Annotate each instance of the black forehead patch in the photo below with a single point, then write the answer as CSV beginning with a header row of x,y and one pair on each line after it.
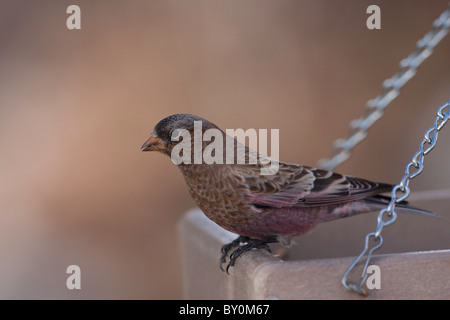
x,y
164,123
179,120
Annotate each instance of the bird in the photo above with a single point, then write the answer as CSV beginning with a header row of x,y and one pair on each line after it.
x,y
263,208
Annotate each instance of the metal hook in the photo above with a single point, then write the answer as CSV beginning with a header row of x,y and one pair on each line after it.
x,y
358,288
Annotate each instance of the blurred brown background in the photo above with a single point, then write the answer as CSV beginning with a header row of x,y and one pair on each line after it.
x,y
76,105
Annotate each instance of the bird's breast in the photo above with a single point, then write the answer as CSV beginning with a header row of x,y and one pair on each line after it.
x,y
222,198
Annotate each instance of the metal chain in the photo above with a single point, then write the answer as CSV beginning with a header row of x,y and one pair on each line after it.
x,y
391,89
399,193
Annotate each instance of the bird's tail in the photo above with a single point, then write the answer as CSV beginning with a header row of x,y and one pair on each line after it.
x,y
403,206
406,208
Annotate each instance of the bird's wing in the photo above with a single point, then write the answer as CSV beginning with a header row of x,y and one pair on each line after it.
x,y
334,188
301,186
285,188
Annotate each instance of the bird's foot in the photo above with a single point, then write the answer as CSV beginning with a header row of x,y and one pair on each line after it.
x,y
243,244
227,247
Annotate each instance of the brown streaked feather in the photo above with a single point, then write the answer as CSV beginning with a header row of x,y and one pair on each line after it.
x,y
288,176
324,188
291,183
333,188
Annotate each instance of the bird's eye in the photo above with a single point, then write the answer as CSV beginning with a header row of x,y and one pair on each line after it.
x,y
176,134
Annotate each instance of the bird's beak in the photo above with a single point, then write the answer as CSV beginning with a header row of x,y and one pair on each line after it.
x,y
153,144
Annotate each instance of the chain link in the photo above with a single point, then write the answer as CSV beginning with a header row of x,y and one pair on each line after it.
x,y
391,89
399,193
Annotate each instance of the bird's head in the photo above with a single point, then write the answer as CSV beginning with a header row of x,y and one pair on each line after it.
x,y
164,136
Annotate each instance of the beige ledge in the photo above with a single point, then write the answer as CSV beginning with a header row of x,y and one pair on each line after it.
x,y
261,275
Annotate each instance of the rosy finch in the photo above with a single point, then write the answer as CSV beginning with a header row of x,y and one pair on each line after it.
x,y
267,208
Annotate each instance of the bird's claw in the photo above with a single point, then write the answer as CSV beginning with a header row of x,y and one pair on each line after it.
x,y
227,247
243,244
